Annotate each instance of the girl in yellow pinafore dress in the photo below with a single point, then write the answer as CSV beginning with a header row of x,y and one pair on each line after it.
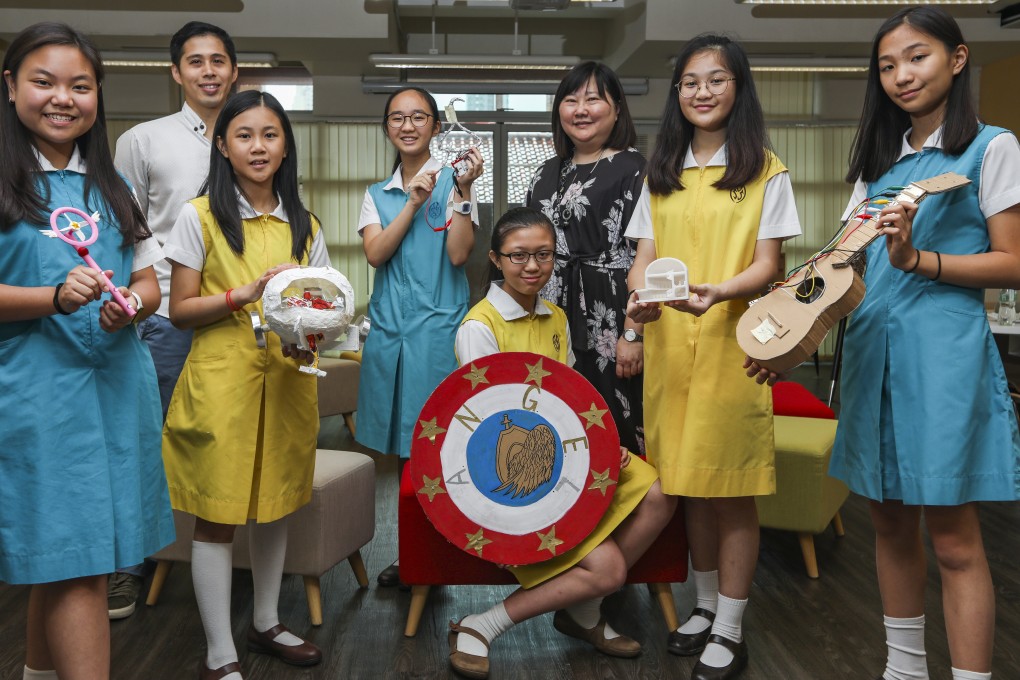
x,y
571,584
718,200
239,440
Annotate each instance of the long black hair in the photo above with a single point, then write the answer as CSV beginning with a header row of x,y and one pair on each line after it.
x,y
623,134
880,132
222,183
22,196
747,141
511,221
429,99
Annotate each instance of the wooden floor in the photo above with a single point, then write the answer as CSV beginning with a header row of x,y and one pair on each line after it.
x,y
797,628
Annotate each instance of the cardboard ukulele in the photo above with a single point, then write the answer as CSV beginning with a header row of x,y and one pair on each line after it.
x,y
784,328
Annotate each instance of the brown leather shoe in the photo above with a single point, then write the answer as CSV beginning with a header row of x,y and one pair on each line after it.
x,y
468,665
205,673
305,654
621,646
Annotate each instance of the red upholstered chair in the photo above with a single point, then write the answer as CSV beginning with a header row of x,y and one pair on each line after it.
x,y
428,559
793,399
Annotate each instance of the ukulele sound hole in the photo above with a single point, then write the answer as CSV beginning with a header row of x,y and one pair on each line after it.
x,y
810,290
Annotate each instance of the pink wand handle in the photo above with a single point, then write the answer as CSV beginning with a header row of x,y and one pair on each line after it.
x,y
79,247
112,289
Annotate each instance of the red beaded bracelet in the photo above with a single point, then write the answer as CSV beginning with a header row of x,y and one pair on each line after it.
x,y
230,302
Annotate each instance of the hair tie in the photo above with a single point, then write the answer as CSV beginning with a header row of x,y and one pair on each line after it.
x,y
916,262
938,272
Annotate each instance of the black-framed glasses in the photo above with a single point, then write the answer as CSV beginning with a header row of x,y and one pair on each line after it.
x,y
418,119
521,257
688,87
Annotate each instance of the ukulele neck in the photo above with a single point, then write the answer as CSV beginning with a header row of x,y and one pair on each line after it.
x,y
861,233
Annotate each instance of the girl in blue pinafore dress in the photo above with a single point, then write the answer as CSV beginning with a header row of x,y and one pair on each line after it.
x,y
418,230
926,424
82,489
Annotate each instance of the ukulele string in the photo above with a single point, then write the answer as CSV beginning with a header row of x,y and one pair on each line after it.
x,y
862,214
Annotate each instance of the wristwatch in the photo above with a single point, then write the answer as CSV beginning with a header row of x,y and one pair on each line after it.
x,y
464,208
138,301
631,335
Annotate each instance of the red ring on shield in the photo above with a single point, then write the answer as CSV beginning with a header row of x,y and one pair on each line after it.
x,y
515,458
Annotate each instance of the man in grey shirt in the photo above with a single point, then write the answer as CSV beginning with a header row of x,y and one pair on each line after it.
x,y
166,161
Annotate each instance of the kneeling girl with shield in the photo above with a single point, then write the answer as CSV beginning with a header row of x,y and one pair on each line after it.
x,y
512,318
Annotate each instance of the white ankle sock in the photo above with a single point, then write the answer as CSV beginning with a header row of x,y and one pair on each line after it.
x,y
587,614
728,623
965,675
490,624
268,550
706,584
906,658
32,674
210,572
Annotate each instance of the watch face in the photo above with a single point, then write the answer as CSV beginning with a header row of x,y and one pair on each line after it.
x,y
630,335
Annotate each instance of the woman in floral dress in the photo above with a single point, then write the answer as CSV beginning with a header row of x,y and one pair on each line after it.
x,y
589,190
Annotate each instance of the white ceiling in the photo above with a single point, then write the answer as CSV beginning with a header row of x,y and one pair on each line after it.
x,y
636,37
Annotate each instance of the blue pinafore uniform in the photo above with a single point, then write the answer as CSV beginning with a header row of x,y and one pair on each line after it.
x,y
417,304
925,414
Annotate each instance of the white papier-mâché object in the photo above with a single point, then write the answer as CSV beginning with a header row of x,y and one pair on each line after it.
x,y
283,306
665,281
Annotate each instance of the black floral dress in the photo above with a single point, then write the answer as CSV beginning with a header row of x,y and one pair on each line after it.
x,y
590,206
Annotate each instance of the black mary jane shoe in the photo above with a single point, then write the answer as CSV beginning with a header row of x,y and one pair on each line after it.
x,y
689,644
736,666
390,576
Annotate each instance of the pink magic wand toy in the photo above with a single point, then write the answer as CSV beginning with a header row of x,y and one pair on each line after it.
x,y
77,228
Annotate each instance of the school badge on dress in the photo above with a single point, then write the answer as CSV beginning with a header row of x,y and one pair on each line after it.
x,y
515,458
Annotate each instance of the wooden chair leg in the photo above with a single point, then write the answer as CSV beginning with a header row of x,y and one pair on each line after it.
x,y
313,594
158,579
358,565
418,596
837,524
349,421
807,548
663,593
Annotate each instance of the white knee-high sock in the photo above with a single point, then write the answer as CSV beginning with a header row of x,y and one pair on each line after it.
x,y
490,624
32,674
706,584
587,614
268,550
906,658
965,675
210,571
729,624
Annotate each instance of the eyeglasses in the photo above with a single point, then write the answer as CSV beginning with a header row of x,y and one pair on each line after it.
x,y
521,257
688,87
418,119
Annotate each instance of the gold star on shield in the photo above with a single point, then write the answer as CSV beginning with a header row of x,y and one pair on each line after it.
x,y
476,375
430,429
536,373
431,487
476,542
594,416
549,541
602,481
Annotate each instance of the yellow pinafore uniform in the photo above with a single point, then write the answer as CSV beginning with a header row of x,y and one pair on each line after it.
x,y
240,433
708,427
546,335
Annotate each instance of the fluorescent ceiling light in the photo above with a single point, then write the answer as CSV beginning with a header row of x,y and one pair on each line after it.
x,y
484,62
631,86
864,2
159,59
794,65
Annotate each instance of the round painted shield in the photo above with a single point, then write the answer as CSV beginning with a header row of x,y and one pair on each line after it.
x,y
515,458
